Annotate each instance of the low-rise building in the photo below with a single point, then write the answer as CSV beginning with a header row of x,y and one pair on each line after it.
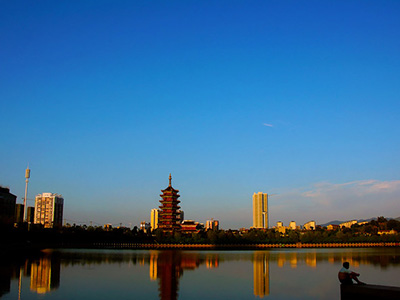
x,y
190,226
292,225
212,224
145,226
382,232
332,227
281,229
309,225
348,224
107,227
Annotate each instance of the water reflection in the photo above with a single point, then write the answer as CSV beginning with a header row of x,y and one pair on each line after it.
x,y
168,267
45,274
261,273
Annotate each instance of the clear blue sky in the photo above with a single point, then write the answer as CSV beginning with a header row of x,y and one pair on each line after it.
x,y
300,99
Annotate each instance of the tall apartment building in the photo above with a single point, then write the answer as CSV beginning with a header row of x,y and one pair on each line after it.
x,y
30,215
49,210
154,219
19,213
260,210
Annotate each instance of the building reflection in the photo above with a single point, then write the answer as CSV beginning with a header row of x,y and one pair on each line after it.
x,y
294,258
153,265
212,261
311,259
13,270
261,273
45,274
6,273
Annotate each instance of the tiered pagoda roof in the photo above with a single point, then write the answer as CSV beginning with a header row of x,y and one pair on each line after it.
x,y
168,218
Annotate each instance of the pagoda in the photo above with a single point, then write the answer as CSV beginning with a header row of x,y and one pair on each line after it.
x,y
169,217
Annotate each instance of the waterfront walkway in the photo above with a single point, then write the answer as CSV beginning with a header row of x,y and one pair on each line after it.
x,y
240,246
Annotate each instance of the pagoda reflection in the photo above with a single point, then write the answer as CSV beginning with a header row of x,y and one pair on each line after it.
x,y
167,267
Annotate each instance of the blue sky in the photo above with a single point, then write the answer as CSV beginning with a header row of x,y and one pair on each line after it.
x,y
299,99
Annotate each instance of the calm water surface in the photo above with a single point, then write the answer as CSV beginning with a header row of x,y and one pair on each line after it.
x,y
133,274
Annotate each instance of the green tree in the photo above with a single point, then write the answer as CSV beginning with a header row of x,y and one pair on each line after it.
x,y
212,236
393,224
178,238
293,236
381,220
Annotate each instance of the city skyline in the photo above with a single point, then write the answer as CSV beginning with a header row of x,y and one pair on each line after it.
x,y
297,99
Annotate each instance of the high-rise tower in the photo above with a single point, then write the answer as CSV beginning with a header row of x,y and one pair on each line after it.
x,y
168,217
260,210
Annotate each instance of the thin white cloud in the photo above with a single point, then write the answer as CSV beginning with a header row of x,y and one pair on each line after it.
x,y
268,125
359,188
326,201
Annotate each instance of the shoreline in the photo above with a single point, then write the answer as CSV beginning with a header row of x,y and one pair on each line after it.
x,y
238,246
37,248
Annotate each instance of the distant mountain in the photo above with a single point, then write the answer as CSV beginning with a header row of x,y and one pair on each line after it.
x,y
337,222
368,220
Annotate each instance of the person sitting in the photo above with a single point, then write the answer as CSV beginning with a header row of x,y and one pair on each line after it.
x,y
346,276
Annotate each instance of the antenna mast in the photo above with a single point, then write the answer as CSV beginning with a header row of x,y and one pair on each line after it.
x,y
27,176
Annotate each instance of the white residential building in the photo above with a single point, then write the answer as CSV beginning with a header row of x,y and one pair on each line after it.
x,y
49,210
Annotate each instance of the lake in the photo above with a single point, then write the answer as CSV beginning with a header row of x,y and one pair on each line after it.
x,y
173,274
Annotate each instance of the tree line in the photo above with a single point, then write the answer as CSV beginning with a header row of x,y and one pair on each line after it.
x,y
86,235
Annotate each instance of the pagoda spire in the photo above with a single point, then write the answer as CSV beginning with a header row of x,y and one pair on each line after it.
x,y
170,179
